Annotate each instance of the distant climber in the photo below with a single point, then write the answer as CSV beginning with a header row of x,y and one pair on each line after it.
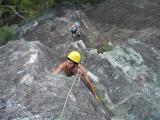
x,y
75,29
72,66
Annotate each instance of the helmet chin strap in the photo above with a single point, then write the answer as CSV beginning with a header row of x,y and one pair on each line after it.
x,y
74,64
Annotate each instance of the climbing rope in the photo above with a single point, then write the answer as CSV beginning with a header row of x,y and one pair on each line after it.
x,y
77,76
68,96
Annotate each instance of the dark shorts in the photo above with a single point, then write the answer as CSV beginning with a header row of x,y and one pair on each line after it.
x,y
73,31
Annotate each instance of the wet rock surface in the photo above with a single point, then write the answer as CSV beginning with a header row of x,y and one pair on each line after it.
x,y
128,75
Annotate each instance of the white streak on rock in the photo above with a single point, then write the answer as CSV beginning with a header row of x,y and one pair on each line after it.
x,y
93,77
27,79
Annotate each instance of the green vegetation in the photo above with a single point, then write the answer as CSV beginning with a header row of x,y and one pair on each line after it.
x,y
6,34
20,11
28,8
25,7
104,48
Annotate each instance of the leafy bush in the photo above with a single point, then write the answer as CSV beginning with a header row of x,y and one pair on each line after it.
x,y
26,8
6,34
104,48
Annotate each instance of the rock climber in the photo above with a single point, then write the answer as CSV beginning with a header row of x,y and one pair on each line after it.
x,y
75,29
72,66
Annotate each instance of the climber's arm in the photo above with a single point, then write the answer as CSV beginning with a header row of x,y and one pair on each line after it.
x,y
60,68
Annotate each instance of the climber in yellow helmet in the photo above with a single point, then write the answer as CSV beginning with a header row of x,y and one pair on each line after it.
x,y
72,66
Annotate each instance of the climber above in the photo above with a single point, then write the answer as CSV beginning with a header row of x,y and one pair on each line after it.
x,y
75,29
72,66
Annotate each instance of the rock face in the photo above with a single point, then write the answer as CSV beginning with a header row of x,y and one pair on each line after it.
x,y
30,91
123,19
127,76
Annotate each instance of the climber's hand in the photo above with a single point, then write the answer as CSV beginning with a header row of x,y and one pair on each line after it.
x,y
97,99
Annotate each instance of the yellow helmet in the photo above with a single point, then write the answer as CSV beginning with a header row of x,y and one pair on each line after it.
x,y
75,56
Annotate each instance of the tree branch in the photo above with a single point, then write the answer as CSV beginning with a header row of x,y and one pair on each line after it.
x,y
11,7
